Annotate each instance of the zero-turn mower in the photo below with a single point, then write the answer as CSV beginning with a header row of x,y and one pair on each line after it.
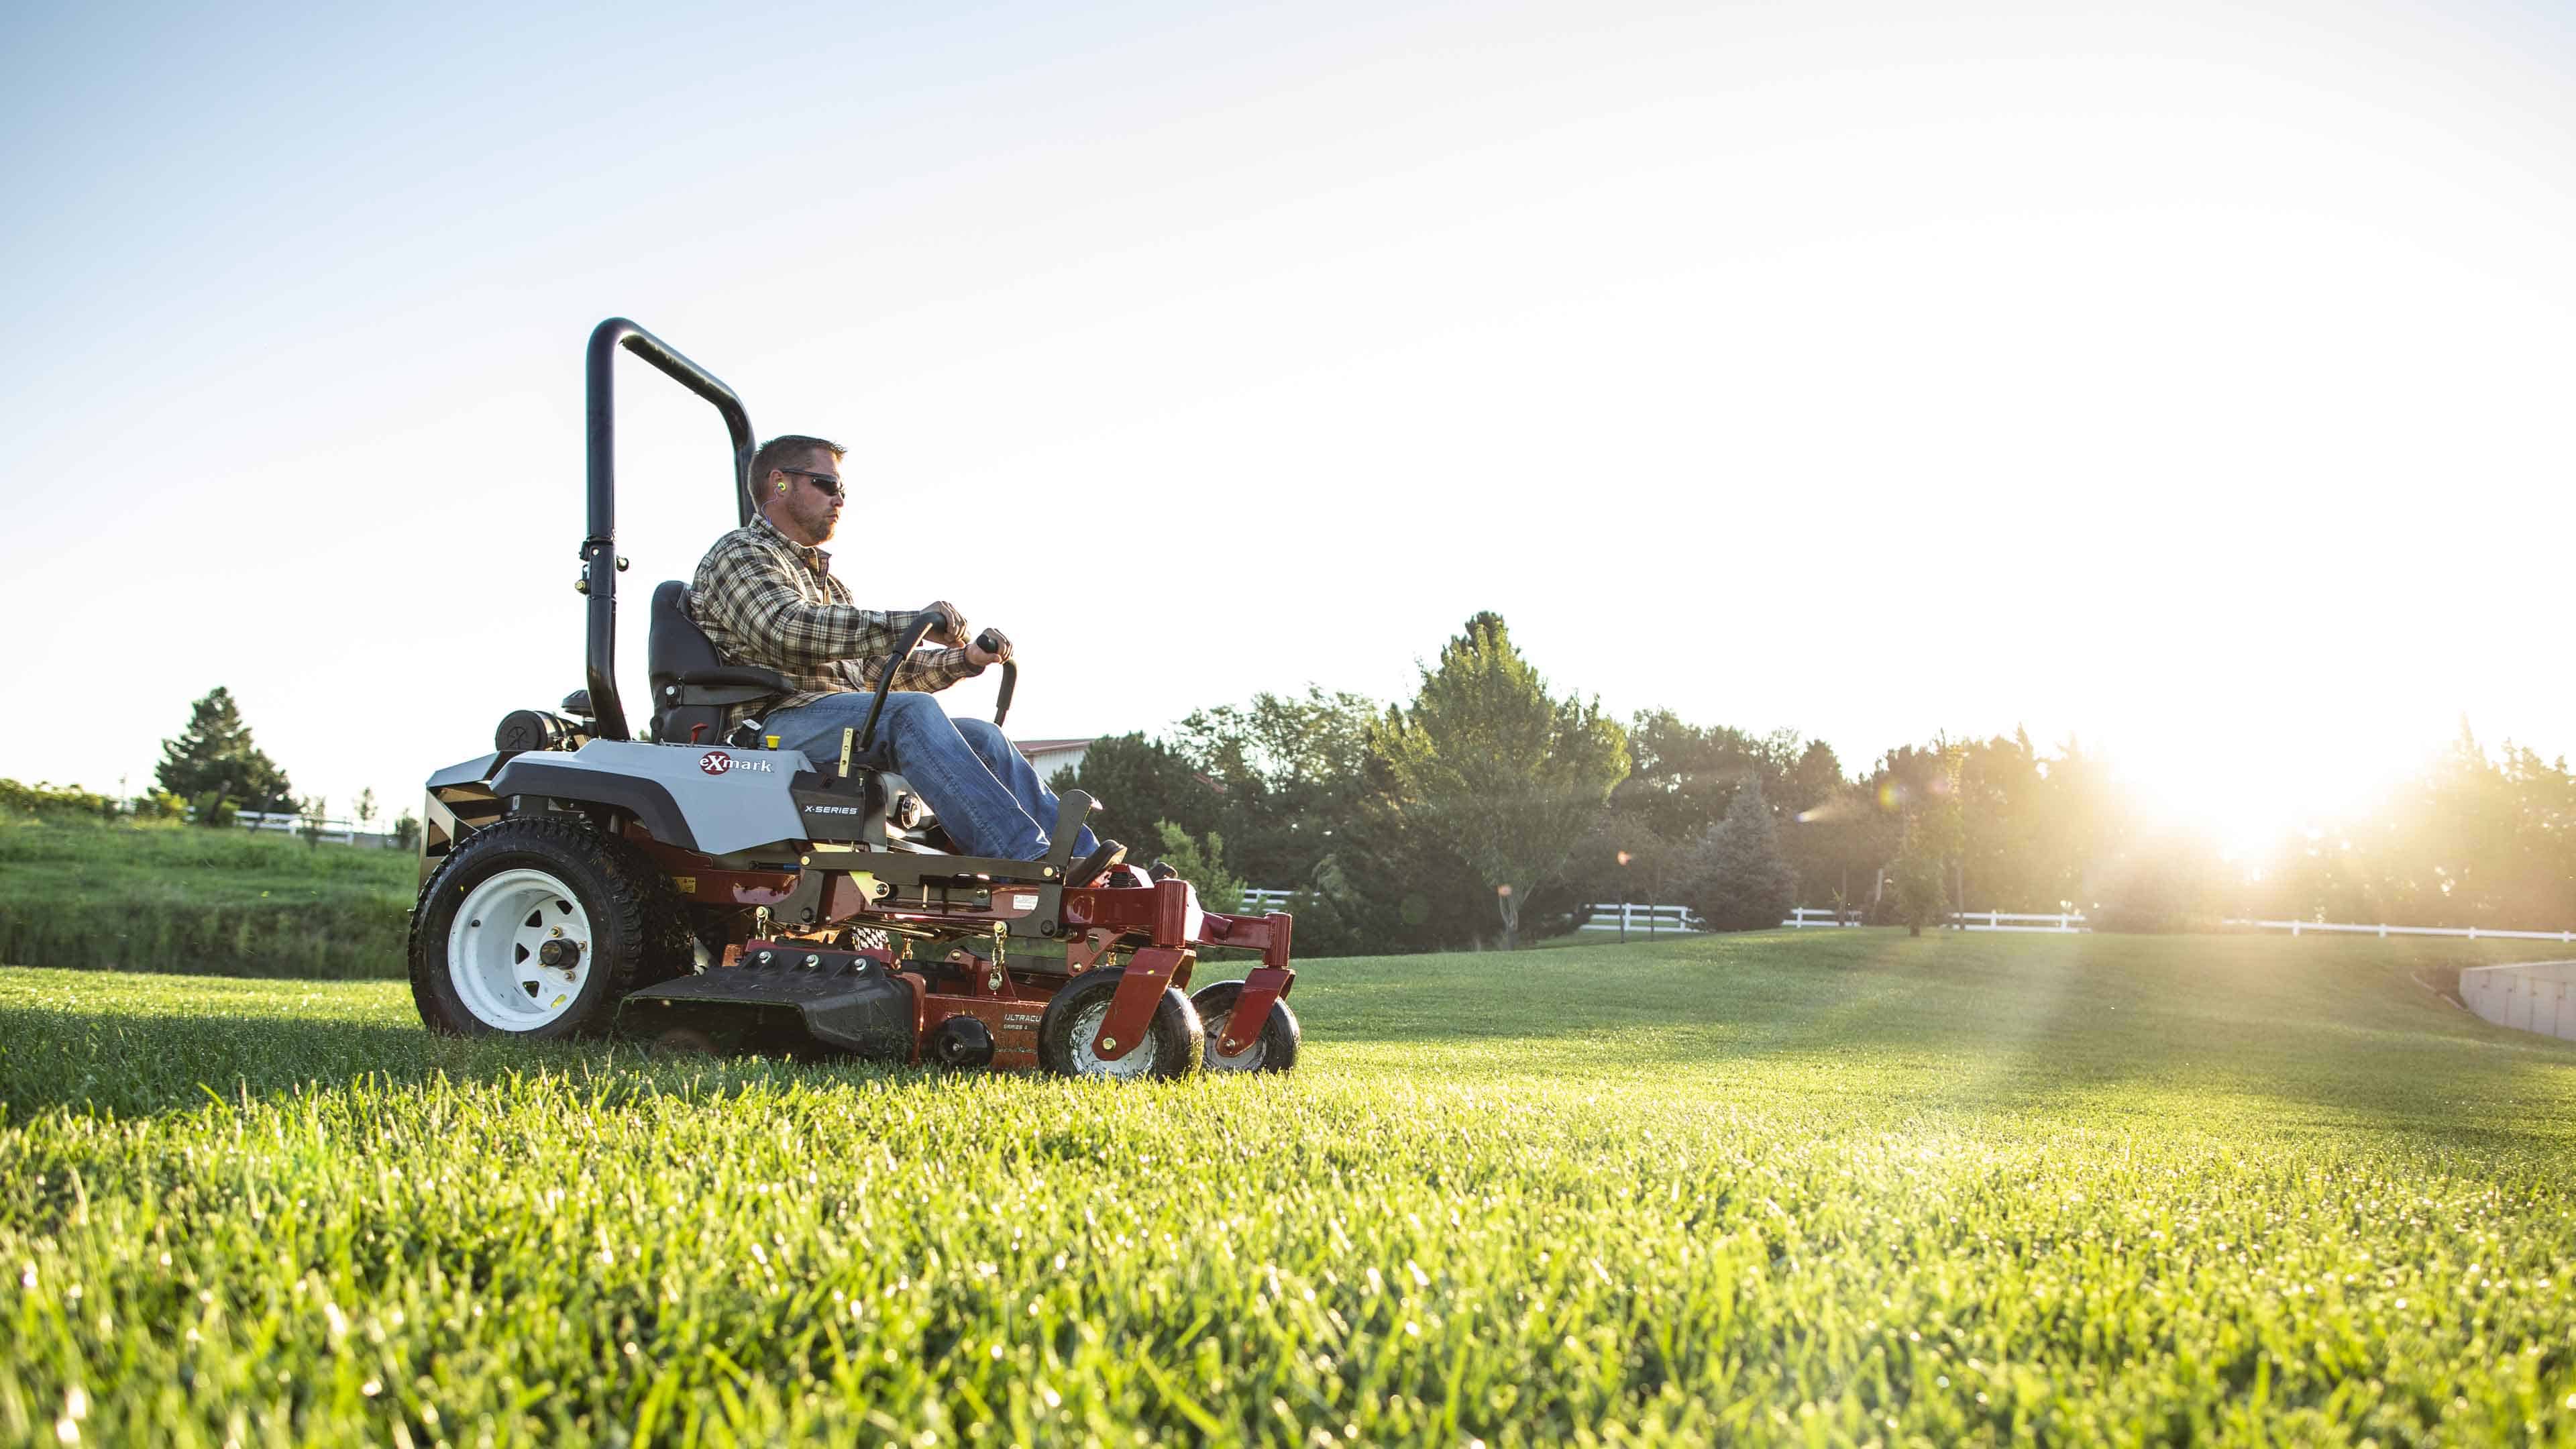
x,y
719,893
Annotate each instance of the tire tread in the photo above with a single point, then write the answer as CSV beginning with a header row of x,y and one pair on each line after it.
x,y
637,905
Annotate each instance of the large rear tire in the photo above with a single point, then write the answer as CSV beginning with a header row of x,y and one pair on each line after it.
x,y
1275,1050
1173,1039
538,927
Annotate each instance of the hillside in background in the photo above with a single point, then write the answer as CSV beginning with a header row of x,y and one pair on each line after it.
x,y
197,901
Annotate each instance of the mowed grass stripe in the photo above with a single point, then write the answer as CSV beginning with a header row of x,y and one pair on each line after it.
x,y
1836,1187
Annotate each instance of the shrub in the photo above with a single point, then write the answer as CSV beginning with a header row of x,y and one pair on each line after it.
x,y
157,807
46,801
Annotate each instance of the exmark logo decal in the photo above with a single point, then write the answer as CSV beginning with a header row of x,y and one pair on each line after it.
x,y
716,762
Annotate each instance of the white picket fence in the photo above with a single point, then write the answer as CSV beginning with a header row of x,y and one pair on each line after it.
x,y
2053,922
338,832
1638,917
1610,917
2473,933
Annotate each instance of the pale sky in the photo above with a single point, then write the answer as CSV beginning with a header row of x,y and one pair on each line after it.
x,y
2195,378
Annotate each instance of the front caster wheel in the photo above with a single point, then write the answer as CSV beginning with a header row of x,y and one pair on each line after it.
x,y
1072,1023
1275,1050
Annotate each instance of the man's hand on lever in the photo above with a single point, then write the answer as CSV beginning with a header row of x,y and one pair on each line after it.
x,y
990,647
951,628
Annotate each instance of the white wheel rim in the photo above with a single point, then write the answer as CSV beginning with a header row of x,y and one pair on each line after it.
x,y
493,950
1086,1030
1246,1060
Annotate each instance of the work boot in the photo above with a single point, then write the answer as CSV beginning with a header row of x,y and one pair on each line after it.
x,y
1108,853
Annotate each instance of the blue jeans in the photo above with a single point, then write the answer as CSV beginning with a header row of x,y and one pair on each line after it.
x,y
987,796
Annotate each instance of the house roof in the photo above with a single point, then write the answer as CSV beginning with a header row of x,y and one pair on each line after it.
x,y
1047,747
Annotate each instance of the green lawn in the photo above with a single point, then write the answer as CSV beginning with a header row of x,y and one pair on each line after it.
x,y
1814,1188
184,899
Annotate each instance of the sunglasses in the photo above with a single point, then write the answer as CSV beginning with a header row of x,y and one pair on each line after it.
x,y
828,482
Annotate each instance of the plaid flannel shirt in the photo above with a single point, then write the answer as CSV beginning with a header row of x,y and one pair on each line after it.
x,y
767,600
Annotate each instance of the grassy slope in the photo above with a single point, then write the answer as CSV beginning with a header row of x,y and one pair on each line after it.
x,y
188,900
1832,1187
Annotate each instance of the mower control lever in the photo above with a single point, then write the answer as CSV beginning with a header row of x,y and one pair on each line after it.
x,y
992,642
911,639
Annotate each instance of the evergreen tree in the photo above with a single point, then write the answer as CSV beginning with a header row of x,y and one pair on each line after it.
x,y
1488,766
213,760
1738,878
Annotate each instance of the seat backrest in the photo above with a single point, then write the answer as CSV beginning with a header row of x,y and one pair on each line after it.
x,y
677,646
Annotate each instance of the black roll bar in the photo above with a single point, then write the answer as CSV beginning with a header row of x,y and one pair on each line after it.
x,y
599,563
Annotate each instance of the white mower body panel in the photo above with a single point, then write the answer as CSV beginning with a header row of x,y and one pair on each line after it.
x,y
713,799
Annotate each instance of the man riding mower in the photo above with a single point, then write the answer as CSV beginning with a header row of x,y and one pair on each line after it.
x,y
761,873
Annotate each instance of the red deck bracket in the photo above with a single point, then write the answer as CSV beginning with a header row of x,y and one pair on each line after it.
x,y
1140,991
1265,985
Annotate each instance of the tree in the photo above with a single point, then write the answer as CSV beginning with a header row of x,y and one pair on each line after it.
x,y
1934,832
1487,764
312,813
214,763
1685,775
1139,784
366,806
1737,878
1203,866
1922,897
407,830
1289,771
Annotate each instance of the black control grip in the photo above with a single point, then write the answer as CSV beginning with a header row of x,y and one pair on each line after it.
x,y
902,650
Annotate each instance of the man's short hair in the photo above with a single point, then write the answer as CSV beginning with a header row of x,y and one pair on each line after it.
x,y
787,450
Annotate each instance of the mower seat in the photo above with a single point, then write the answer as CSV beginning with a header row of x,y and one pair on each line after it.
x,y
692,685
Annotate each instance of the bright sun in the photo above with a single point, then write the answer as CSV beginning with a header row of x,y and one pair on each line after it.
x,y
2248,782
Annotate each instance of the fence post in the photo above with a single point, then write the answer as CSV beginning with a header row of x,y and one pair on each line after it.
x,y
2294,928
2383,930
